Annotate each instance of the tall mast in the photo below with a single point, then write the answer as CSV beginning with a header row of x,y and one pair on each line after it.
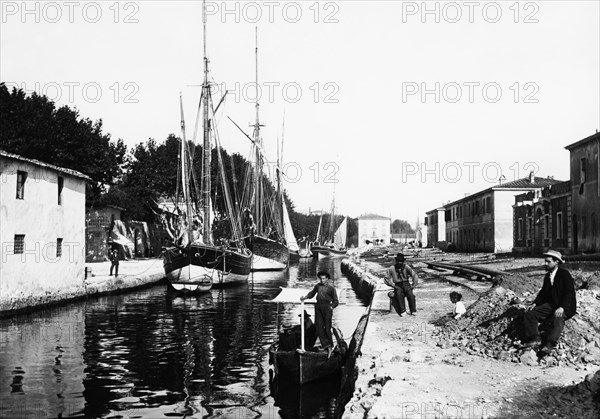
x,y
206,140
258,209
332,219
185,174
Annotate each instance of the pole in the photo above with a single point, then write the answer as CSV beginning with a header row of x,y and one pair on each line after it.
x,y
302,325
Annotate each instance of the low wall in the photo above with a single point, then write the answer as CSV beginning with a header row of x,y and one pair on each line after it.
x,y
132,275
370,288
366,284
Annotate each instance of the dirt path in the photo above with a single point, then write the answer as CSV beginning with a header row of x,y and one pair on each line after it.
x,y
405,373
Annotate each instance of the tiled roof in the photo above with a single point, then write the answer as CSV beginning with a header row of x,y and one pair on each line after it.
x,y
538,182
42,164
523,184
373,217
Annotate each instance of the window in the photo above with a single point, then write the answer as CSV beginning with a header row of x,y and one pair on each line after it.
x,y
529,227
59,247
61,184
559,225
488,205
19,245
582,163
21,178
583,227
546,227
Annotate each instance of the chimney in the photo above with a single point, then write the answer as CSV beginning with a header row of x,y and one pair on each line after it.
x,y
501,179
531,177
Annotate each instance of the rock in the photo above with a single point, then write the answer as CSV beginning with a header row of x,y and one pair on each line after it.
x,y
503,356
592,382
529,358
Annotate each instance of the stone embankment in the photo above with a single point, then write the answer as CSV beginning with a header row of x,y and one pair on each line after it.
x,y
133,274
432,365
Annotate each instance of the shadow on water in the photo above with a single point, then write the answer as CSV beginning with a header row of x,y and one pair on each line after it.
x,y
313,400
152,353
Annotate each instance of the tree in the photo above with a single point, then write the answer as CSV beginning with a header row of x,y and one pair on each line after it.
x,y
33,127
401,226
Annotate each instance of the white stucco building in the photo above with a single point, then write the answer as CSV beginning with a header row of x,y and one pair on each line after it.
x,y
373,228
42,232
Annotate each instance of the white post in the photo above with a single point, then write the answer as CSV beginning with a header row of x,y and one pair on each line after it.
x,y
302,325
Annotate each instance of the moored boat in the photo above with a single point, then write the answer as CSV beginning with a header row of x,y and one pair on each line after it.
x,y
264,224
193,262
296,362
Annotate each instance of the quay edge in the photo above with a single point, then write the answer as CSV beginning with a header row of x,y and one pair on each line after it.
x,y
133,274
371,288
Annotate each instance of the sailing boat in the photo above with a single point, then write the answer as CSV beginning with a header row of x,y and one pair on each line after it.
x,y
193,263
335,244
265,225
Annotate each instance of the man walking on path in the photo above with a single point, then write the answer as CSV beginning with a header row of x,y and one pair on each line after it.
x,y
113,255
399,277
327,300
556,300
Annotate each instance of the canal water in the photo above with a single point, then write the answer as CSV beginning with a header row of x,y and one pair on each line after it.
x,y
152,353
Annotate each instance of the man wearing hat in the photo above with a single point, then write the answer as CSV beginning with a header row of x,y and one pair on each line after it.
x,y
399,277
556,301
327,300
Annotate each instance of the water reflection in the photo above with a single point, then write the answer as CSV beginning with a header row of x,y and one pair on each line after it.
x,y
152,353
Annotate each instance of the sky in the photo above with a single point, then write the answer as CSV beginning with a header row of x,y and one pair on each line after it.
x,y
396,107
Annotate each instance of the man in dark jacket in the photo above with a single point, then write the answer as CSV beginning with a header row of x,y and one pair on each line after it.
x,y
403,279
555,300
327,300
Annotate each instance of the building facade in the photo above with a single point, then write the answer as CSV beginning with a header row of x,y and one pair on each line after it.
x,y
42,213
435,223
585,194
541,220
374,229
98,225
482,221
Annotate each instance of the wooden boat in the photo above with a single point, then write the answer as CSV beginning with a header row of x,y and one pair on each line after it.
x,y
337,247
326,251
197,267
192,262
335,239
265,234
299,364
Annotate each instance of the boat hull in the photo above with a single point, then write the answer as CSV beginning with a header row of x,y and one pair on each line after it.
x,y
198,267
324,251
267,254
304,367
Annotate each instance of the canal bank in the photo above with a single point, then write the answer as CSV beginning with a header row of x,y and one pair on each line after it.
x,y
133,274
405,371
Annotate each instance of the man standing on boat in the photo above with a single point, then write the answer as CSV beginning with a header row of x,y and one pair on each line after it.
x,y
327,300
248,222
399,277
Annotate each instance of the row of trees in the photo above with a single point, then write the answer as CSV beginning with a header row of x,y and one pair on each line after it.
x,y
33,127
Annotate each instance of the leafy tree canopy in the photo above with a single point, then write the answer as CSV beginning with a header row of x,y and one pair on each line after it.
x,y
33,127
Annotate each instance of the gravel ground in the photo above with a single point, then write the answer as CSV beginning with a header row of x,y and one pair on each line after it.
x,y
432,366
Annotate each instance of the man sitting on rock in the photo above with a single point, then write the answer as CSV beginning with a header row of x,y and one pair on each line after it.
x,y
399,277
556,301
